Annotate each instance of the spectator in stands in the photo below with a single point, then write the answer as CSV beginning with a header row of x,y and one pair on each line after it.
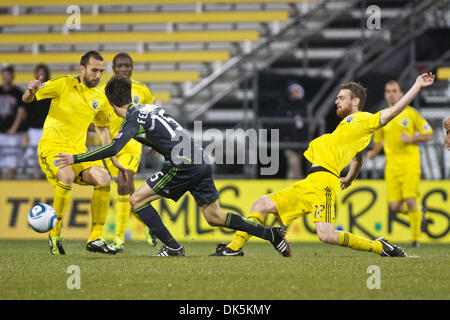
x,y
12,113
293,105
447,133
36,113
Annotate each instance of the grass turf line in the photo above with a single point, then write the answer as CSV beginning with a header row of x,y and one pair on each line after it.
x,y
315,271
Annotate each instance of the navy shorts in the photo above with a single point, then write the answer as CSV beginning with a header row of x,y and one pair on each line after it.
x,y
173,181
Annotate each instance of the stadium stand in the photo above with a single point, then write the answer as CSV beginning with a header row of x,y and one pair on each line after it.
x,y
225,61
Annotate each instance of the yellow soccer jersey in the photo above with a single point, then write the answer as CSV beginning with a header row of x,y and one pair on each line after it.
x,y
400,155
73,108
140,95
335,150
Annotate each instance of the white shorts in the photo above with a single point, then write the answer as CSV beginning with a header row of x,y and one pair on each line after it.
x,y
11,151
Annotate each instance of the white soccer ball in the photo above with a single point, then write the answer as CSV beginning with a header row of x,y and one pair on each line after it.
x,y
42,218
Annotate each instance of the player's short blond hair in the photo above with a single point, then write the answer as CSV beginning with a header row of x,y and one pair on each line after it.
x,y
357,91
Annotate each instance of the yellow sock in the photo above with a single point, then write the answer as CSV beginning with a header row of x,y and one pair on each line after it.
x,y
61,200
99,209
241,238
347,239
415,221
123,209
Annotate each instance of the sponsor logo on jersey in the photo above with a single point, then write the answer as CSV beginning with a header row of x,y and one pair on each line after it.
x,y
95,104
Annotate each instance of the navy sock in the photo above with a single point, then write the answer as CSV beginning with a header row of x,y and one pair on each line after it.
x,y
153,221
236,222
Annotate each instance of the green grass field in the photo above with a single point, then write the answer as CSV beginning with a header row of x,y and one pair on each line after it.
x,y
316,271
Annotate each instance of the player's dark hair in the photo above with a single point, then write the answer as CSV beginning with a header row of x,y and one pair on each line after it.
x,y
85,58
118,91
357,91
121,55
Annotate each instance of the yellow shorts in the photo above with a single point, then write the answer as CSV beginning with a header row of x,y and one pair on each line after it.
x,y
130,161
315,194
402,185
46,162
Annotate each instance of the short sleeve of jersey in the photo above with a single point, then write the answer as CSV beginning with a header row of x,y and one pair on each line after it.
x,y
421,125
148,97
372,121
50,89
103,117
379,135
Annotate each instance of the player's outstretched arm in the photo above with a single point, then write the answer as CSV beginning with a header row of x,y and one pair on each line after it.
x,y
424,80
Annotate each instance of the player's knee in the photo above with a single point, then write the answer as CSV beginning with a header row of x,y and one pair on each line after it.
x,y
264,205
396,207
100,176
133,201
66,176
325,236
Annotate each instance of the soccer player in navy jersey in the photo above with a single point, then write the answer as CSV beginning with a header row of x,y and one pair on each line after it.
x,y
153,127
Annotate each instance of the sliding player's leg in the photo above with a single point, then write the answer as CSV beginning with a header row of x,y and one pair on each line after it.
x,y
218,218
260,208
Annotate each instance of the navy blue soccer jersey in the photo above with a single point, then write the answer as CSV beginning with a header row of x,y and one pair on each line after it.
x,y
185,169
153,127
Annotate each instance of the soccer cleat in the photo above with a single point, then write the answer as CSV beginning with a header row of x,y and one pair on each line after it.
x,y
167,251
118,245
101,246
151,239
279,241
390,250
223,250
56,247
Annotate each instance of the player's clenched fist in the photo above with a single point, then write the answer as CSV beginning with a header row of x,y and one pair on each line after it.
x,y
34,85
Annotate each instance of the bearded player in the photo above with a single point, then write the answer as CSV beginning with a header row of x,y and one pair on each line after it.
x,y
329,155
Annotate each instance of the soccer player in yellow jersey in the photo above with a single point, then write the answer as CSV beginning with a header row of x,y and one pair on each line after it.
x,y
76,102
329,155
402,171
130,155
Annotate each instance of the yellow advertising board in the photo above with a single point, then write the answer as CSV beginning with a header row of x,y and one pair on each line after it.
x,y
362,209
